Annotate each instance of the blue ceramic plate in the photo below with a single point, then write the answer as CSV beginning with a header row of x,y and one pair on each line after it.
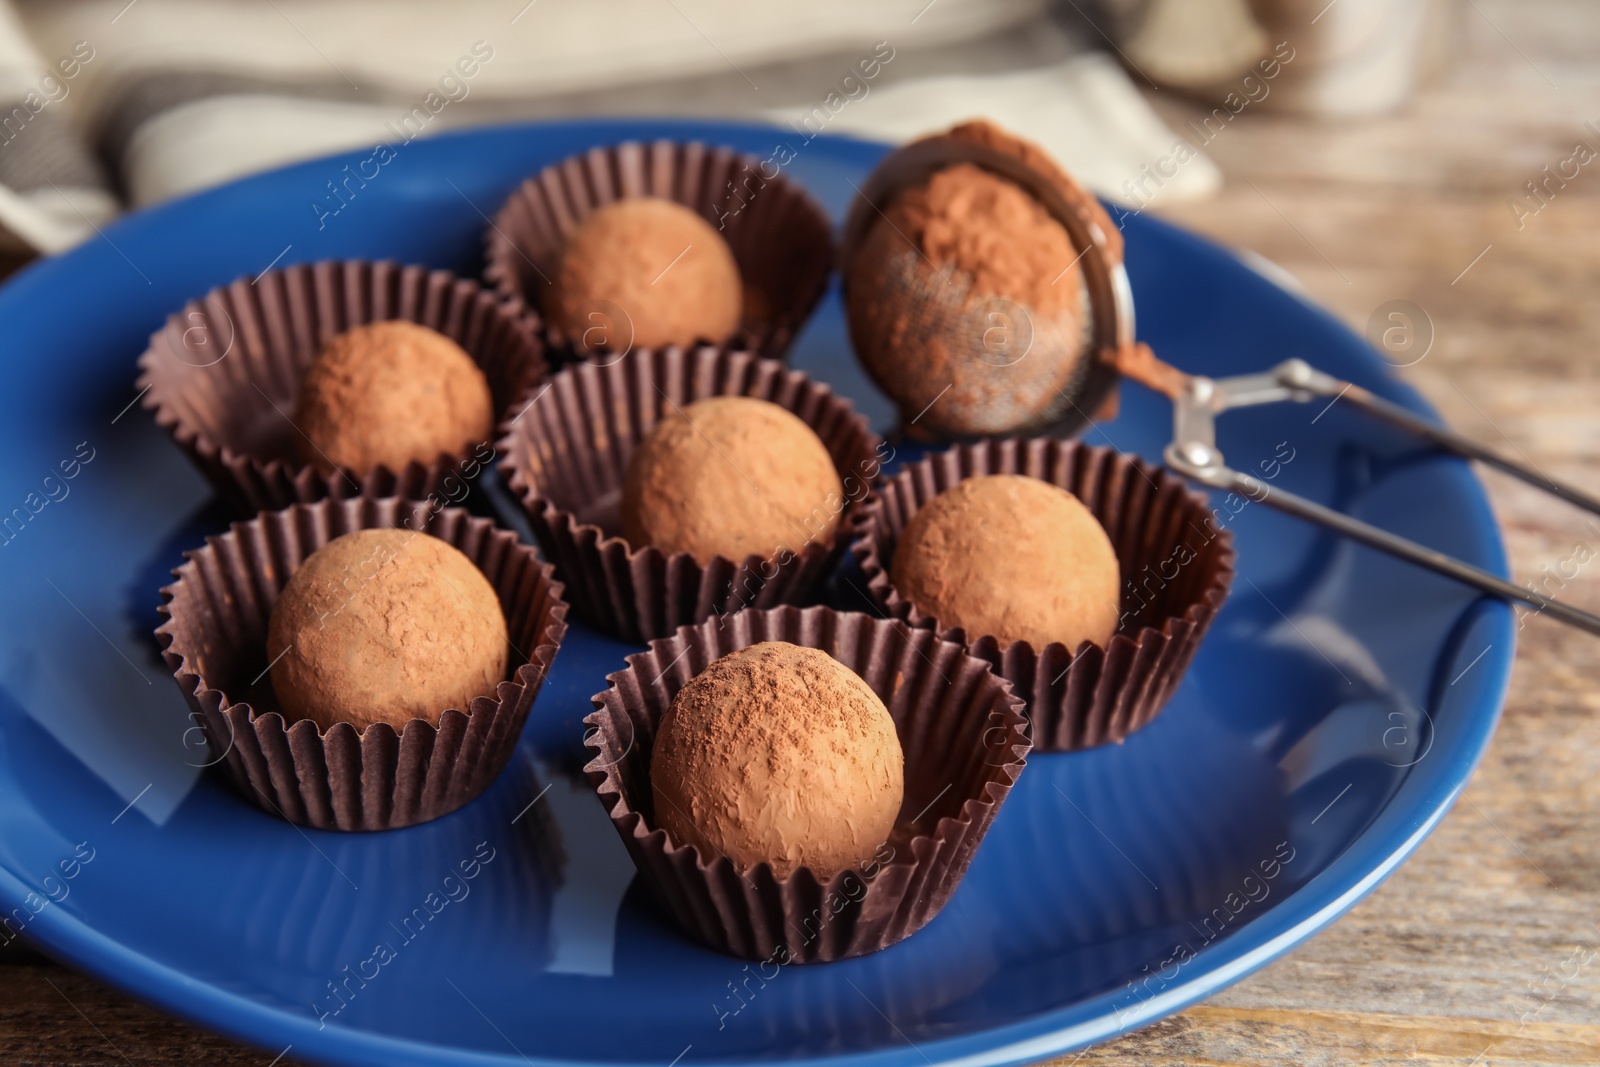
x,y
1331,718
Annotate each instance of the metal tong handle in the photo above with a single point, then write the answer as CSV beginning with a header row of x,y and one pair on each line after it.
x,y
1193,453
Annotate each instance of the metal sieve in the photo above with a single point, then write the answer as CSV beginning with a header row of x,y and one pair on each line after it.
x,y
1197,400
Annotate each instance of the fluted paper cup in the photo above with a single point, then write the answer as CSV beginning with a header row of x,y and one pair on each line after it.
x,y
567,454
779,236
964,740
223,373
215,642
1176,562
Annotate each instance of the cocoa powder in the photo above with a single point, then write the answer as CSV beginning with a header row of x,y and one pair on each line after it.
x,y
390,393
385,625
1012,557
967,219
778,754
967,305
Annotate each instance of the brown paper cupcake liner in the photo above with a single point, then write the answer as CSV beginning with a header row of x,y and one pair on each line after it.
x,y
215,641
566,456
222,374
1176,564
965,743
780,237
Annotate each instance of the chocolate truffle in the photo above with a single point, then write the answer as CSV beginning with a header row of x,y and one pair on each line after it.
x,y
663,268
778,754
385,626
967,304
1012,557
388,393
731,476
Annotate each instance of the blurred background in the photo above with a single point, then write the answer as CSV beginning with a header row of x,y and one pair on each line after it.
x,y
126,103
1426,159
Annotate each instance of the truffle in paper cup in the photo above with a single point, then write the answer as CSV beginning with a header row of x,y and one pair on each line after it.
x,y
965,742
779,236
223,373
215,642
566,454
1176,565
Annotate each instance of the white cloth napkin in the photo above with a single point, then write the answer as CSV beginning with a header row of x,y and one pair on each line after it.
x,y
113,103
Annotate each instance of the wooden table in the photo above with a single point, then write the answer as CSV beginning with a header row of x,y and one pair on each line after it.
x,y
1485,947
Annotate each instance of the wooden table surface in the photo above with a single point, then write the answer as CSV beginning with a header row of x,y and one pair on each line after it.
x,y
1485,947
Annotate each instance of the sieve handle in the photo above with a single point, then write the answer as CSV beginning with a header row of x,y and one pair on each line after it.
x,y
1298,374
1193,453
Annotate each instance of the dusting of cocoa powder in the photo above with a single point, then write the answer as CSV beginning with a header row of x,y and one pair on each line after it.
x,y
645,272
778,754
988,228
1012,557
966,303
389,393
387,626
731,476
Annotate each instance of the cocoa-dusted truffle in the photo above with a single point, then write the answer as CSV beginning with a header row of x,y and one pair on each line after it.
x,y
731,476
778,754
667,272
967,304
388,393
1013,557
385,626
